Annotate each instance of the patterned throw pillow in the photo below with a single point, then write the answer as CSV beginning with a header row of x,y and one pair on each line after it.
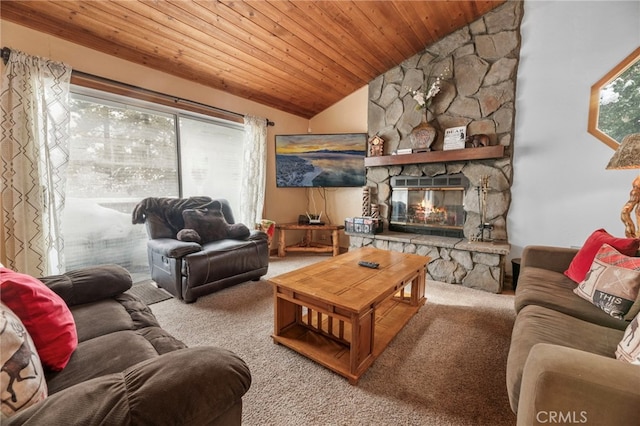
x,y
22,381
612,283
629,347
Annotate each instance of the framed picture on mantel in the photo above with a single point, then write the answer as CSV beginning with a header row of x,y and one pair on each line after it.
x,y
454,138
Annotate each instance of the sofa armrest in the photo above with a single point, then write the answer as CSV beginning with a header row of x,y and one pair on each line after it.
x,y
555,259
258,235
170,247
592,389
86,285
192,386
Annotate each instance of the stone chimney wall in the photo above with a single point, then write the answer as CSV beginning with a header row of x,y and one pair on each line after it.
x,y
479,65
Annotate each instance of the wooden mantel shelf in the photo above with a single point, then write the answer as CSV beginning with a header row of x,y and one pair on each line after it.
x,y
480,153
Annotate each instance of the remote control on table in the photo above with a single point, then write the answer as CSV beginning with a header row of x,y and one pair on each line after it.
x,y
372,265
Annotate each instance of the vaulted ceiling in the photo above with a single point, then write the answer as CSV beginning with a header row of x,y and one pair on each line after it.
x,y
297,56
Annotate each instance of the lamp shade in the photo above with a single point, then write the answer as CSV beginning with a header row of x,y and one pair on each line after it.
x,y
627,156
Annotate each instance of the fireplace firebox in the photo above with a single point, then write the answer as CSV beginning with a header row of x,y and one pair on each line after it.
x,y
428,205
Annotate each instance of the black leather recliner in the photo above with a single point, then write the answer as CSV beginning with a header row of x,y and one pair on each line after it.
x,y
188,269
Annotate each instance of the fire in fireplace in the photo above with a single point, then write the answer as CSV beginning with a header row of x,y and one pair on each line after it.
x,y
428,205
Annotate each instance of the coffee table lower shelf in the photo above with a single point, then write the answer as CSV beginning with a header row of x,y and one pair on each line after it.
x,y
335,353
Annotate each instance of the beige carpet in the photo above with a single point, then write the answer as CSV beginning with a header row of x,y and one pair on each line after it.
x,y
446,367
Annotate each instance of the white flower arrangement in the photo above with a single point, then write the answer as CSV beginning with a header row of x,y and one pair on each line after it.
x,y
425,97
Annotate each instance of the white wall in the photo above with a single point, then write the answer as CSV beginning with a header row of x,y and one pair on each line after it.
x,y
561,191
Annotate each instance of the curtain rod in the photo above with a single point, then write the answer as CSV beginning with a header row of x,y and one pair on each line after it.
x,y
7,51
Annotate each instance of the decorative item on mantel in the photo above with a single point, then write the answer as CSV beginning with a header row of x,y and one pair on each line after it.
x,y
422,137
376,146
424,134
476,141
402,151
454,138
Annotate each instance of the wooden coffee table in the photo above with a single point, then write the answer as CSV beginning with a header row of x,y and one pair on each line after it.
x,y
343,315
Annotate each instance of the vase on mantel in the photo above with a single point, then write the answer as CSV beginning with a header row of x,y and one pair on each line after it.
x,y
423,135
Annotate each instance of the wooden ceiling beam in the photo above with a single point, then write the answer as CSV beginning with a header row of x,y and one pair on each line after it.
x,y
114,33
360,31
297,56
113,39
289,58
305,30
238,55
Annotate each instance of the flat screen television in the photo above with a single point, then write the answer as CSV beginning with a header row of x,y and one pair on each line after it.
x,y
327,160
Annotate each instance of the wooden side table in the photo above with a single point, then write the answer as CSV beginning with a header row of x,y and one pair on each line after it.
x,y
307,243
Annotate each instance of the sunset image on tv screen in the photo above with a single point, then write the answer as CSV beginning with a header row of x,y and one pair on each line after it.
x,y
335,160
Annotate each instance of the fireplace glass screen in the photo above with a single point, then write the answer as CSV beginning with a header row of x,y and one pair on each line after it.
x,y
432,211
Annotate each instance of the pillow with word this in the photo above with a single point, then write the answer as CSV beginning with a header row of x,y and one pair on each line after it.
x,y
582,261
612,283
629,347
22,381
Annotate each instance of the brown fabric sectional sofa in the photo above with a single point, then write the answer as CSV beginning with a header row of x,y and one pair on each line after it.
x,y
562,366
127,370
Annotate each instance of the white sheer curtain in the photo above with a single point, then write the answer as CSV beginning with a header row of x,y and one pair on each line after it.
x,y
33,156
253,170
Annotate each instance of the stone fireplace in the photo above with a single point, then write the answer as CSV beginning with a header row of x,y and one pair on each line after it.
x,y
458,259
479,68
428,205
464,177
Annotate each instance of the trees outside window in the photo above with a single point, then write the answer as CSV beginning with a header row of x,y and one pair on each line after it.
x,y
620,104
123,150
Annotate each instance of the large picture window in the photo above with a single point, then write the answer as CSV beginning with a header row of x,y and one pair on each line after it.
x,y
211,159
123,150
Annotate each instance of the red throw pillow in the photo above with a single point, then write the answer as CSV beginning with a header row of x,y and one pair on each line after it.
x,y
45,315
584,258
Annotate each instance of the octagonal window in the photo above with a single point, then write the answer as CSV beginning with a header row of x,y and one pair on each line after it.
x,y
614,110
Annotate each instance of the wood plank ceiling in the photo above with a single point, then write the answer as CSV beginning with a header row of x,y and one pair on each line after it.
x,y
297,56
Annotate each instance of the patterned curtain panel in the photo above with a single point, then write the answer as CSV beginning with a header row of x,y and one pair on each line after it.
x,y
254,170
33,157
